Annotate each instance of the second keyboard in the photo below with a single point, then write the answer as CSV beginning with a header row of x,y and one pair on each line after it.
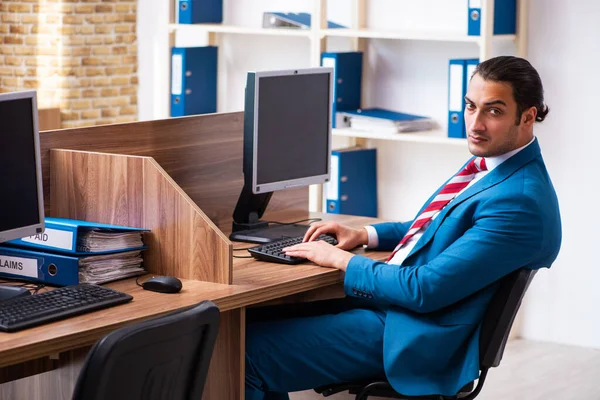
x,y
25,312
272,251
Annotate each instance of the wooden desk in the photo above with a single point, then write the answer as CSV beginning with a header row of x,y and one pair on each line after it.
x,y
180,178
254,282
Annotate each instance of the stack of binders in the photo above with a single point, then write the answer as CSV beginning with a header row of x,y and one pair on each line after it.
x,y
460,72
69,252
193,80
505,17
347,78
194,69
385,121
199,11
352,189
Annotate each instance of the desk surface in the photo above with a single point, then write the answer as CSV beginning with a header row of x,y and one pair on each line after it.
x,y
254,282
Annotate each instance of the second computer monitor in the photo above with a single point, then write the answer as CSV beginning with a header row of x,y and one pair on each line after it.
x,y
287,143
289,128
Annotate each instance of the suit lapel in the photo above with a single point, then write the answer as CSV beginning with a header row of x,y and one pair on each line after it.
x,y
499,174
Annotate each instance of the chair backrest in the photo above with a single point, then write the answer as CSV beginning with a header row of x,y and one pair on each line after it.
x,y
159,359
500,316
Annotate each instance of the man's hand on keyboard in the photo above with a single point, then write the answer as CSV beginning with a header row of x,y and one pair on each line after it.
x,y
321,253
347,237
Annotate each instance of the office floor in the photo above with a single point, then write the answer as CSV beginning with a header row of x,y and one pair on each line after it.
x,y
529,370
533,371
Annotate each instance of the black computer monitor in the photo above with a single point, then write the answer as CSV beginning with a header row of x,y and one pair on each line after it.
x,y
21,196
287,143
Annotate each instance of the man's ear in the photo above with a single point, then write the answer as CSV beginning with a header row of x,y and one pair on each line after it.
x,y
528,116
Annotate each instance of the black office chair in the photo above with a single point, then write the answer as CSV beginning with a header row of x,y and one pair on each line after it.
x,y
165,358
497,322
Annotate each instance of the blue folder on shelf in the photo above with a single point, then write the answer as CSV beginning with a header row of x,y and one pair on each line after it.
x,y
505,17
471,64
199,11
459,74
63,270
352,188
193,80
347,78
69,236
292,20
387,121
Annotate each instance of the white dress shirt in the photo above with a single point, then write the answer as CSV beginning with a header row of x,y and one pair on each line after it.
x,y
490,162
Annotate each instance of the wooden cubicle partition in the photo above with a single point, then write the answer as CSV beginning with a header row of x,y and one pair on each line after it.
x,y
203,155
136,191
48,119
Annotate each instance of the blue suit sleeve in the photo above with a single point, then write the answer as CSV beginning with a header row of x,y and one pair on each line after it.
x,y
504,237
390,233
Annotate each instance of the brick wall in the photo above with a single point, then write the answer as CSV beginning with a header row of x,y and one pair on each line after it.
x,y
80,55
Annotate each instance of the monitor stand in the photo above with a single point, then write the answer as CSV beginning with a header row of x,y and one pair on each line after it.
x,y
270,233
247,226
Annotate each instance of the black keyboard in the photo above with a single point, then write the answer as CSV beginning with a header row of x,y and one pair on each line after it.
x,y
26,312
272,251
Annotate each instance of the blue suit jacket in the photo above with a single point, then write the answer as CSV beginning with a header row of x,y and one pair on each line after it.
x,y
437,297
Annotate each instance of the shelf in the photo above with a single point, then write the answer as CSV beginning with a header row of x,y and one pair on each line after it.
x,y
437,136
409,35
242,30
339,32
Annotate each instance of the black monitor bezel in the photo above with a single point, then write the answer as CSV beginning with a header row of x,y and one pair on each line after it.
x,y
33,229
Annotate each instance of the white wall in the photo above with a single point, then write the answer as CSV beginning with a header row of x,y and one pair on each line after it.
x,y
564,303
411,76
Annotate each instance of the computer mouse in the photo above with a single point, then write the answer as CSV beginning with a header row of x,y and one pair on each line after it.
x,y
163,284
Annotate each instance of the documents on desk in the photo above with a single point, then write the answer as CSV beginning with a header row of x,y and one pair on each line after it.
x,y
77,237
69,252
62,270
110,267
99,241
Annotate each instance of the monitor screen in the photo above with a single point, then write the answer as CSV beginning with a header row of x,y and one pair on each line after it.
x,y
292,128
21,208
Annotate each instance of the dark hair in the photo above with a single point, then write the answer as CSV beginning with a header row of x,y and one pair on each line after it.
x,y
522,77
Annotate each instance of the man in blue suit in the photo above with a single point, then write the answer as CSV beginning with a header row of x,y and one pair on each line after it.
x,y
416,318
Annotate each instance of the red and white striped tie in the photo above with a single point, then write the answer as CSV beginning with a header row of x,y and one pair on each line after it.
x,y
448,192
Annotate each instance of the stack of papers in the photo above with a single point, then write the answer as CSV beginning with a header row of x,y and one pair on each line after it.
x,y
79,251
385,121
110,267
103,240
